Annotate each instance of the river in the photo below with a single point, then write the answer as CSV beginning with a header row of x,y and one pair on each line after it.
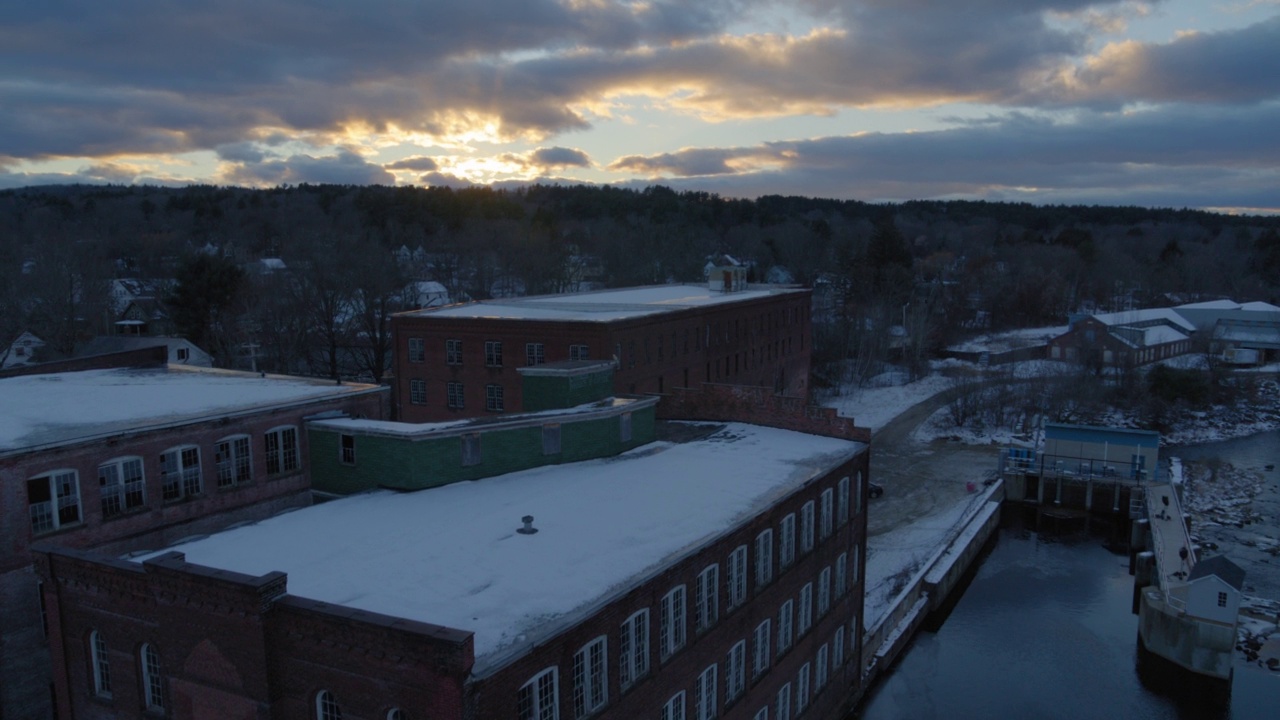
x,y
1045,629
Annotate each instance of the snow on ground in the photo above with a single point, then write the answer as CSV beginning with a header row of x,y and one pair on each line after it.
x,y
1010,340
885,398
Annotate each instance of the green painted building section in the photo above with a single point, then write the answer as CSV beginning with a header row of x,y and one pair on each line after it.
x,y
413,457
565,384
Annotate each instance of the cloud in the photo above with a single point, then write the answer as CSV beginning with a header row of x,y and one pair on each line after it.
x,y
420,163
558,157
345,168
1105,157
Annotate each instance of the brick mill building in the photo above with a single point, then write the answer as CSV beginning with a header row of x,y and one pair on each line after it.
x,y
129,458
717,573
461,360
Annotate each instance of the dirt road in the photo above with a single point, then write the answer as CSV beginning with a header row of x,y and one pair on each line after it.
x,y
921,479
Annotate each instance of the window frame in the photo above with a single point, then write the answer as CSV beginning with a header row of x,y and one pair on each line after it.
x,y
417,350
283,459
633,650
821,669
494,398
735,671
707,692
591,677
535,353
536,689
673,711
181,478
785,626
452,351
327,707
802,688
837,648
493,353
761,649
706,604
417,391
842,576
57,502
346,448
806,528
784,702
804,614
764,557
234,466
787,542
736,577
824,591
99,665
825,515
842,502
125,493
455,395
579,352
153,693
672,635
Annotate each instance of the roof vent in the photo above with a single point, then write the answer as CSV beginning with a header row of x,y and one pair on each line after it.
x,y
528,528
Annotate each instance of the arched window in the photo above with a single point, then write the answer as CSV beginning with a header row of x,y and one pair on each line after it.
x,y
101,670
121,485
152,679
395,714
327,707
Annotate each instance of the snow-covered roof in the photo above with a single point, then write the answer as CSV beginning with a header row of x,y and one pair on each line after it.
x,y
451,556
1210,305
61,408
1161,334
1259,306
600,306
1133,317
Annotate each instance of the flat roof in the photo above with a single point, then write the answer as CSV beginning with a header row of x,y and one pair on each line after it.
x,y
60,408
602,305
451,555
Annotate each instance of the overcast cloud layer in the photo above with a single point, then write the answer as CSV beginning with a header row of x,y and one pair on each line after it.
x,y
1166,103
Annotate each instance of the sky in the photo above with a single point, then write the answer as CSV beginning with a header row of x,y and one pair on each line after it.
x,y
1167,103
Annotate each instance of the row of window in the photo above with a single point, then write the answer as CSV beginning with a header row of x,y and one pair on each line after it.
x,y
534,353
152,680
53,498
455,395
539,698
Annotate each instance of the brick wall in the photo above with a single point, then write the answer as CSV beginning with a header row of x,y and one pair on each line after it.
x,y
235,646
759,406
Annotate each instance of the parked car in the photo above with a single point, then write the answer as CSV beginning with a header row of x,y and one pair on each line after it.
x,y
875,490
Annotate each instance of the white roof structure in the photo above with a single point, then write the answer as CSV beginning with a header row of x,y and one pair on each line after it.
x,y
1134,317
54,409
451,555
600,306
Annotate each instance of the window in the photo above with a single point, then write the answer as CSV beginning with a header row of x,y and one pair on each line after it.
x,y
590,677
493,353
120,485
183,354
539,699
674,709
820,668
824,591
418,391
551,439
493,398
805,615
760,650
579,352
736,584
802,689
707,693
1222,599
180,473
453,352
101,670
764,558
470,449
837,648
735,671
857,495
762,714
395,714
706,605
853,568
671,628
44,609
347,454
534,354
842,579
842,501
824,524
454,396
152,679
53,500
327,707
624,427
787,542
282,450
234,461
417,350
784,626
633,653
784,703
806,527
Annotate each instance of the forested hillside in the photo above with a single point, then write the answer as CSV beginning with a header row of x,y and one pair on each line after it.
x,y
940,269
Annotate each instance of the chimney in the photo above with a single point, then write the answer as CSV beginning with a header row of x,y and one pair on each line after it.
x,y
528,528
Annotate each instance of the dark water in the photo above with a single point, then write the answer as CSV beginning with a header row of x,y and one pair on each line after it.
x,y
1044,630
